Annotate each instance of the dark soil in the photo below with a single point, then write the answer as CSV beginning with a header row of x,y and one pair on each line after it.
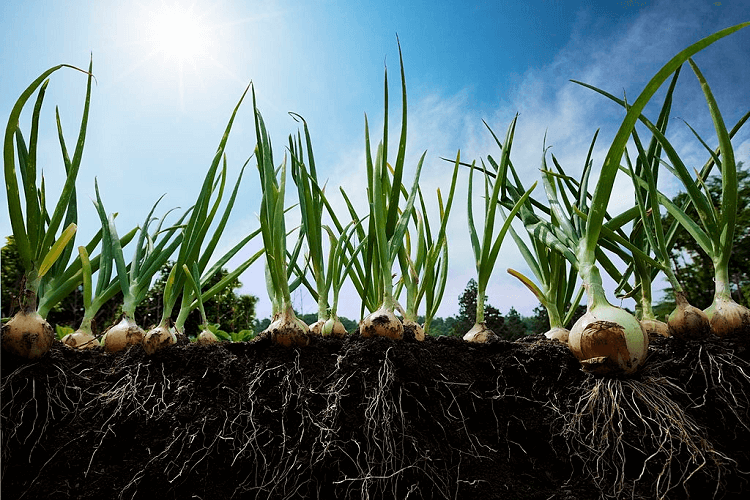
x,y
376,418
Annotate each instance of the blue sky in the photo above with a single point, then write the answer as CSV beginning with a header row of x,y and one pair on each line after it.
x,y
158,110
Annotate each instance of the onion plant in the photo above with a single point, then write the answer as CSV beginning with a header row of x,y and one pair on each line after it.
x,y
713,234
608,339
329,276
193,300
643,273
387,221
343,253
339,265
549,264
685,321
193,251
556,290
39,245
79,273
83,338
725,315
716,230
487,249
347,256
206,336
311,205
93,300
285,328
424,275
546,262
565,232
150,253
642,232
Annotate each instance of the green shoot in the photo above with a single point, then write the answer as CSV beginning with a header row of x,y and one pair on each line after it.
x,y
151,252
424,275
192,249
35,231
387,227
486,249
285,329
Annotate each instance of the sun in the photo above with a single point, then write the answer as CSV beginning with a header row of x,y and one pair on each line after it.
x,y
177,33
176,46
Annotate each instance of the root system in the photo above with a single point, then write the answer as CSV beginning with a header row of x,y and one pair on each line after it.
x,y
375,418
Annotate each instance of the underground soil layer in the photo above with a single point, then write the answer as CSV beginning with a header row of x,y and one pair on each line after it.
x,y
376,418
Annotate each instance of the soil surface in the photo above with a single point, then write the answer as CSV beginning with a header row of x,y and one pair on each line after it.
x,y
376,418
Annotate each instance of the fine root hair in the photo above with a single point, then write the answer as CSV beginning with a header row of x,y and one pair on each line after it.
x,y
629,431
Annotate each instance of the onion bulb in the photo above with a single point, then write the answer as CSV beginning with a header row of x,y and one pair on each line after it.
x,y
123,335
206,337
558,333
317,327
158,338
727,317
416,328
80,339
655,328
27,335
329,328
608,340
288,330
688,322
382,323
479,333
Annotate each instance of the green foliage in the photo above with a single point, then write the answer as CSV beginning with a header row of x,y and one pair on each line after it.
x,y
61,331
12,277
440,326
240,336
35,229
68,311
694,268
514,327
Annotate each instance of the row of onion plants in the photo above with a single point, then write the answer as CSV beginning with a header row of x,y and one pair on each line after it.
x,y
570,238
575,224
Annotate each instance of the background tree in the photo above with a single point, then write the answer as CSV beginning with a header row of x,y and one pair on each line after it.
x,y
694,268
539,322
440,326
514,326
11,279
